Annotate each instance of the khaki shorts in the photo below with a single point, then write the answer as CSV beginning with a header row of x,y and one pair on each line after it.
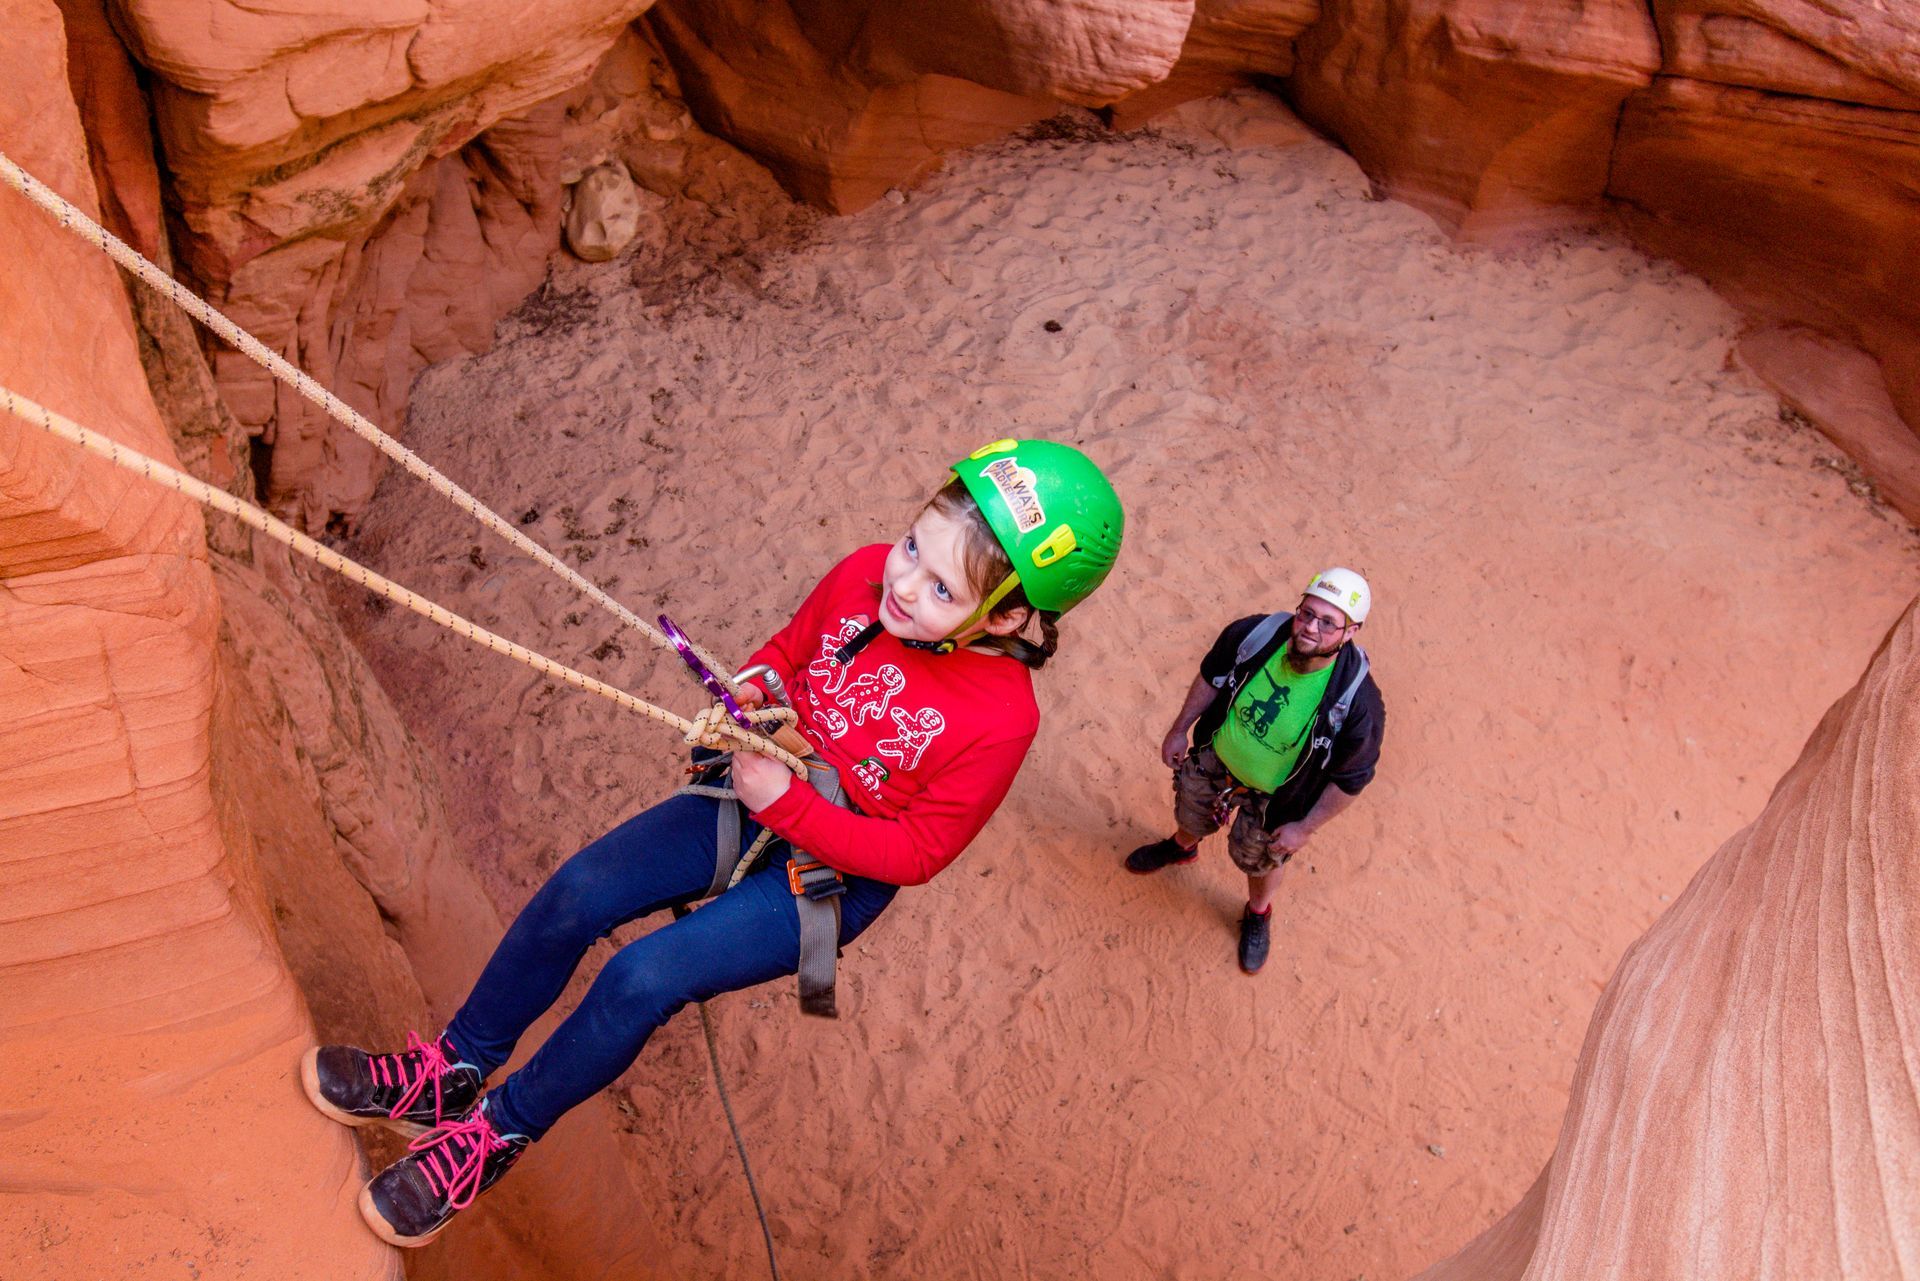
x,y
1204,792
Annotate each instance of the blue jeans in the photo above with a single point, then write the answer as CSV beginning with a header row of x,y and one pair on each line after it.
x,y
658,859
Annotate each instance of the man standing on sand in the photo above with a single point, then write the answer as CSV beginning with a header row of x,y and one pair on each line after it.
x,y
1284,706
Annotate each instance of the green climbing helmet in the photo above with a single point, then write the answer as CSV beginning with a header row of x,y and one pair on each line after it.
x,y
1055,514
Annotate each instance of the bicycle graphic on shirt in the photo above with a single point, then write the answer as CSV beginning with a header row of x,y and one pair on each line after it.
x,y
1259,714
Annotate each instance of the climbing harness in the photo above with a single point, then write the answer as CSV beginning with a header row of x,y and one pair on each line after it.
x,y
724,727
816,887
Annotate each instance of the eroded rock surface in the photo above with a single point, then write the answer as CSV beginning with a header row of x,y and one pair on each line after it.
x,y
1746,1103
176,814
1862,53
1775,156
366,188
1490,117
1844,391
379,915
833,131
1229,45
146,1016
369,188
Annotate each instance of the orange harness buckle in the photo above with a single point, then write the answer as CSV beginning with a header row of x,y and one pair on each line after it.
x,y
818,887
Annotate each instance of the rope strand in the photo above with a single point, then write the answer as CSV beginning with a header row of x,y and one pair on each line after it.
x,y
712,728
75,220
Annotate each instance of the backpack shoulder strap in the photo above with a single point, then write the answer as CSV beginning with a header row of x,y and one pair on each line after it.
x,y
1256,640
1338,715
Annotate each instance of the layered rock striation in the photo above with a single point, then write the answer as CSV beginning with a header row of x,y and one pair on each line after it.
x,y
1746,1103
144,1003
334,170
844,104
214,832
195,787
1490,117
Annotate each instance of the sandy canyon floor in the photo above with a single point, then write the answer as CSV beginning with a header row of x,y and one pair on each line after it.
x,y
1615,589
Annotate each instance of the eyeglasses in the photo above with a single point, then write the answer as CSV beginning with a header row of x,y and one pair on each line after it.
x,y
1307,620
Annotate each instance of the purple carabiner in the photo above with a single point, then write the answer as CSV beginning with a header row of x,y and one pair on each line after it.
x,y
704,674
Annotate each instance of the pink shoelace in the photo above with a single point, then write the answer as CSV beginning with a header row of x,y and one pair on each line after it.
x,y
453,1157
391,1069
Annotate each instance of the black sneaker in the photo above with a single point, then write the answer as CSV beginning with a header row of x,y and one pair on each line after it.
x,y
1256,939
422,1086
442,1172
1162,853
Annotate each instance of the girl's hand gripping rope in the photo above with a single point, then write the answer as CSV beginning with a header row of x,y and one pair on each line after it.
x,y
759,780
715,728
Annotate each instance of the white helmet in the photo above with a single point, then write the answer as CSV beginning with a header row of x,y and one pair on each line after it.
x,y
1343,589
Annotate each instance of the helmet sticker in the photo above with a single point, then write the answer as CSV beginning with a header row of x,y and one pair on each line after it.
x,y
1015,485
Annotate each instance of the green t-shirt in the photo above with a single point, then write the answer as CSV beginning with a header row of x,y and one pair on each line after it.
x,y
1269,722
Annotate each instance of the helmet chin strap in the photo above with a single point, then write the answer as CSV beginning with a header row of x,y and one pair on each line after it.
x,y
979,614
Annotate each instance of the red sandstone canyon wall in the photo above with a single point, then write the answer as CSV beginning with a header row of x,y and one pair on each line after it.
x,y
1776,156
138,972
370,187
1487,116
366,188
203,787
844,103
381,920
1746,1103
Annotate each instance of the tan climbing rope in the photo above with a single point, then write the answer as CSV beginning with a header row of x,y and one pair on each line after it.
x,y
711,728
76,221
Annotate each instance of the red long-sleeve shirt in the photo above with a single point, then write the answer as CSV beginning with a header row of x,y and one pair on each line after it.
x,y
926,744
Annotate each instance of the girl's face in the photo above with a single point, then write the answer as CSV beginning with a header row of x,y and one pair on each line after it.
x,y
924,592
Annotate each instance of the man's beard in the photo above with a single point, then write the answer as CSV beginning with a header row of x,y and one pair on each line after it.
x,y
1294,645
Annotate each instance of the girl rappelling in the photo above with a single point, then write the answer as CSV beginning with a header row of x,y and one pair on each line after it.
x,y
911,687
